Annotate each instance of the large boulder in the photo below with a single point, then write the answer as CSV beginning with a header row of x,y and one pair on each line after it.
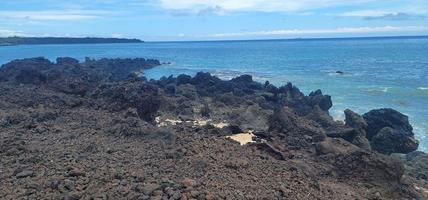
x,y
390,131
386,117
389,140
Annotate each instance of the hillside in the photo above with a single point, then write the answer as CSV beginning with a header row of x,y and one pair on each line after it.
x,y
62,40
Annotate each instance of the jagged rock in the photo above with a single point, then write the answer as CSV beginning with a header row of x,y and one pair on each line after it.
x,y
183,79
204,79
286,121
321,116
389,140
323,101
67,61
25,71
390,131
85,115
386,117
246,79
357,122
354,120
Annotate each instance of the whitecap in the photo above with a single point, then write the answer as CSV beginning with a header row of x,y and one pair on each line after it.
x,y
422,88
375,90
338,115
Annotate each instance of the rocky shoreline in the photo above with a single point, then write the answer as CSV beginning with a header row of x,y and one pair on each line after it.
x,y
96,130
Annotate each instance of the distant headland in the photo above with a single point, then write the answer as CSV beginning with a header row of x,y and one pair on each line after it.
x,y
63,40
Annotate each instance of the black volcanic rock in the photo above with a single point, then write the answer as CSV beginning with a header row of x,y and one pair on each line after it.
x,y
183,79
354,120
386,117
389,140
166,139
68,75
25,71
357,122
246,79
67,61
286,122
323,101
389,131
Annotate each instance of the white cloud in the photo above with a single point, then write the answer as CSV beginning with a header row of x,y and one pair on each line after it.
x,y
9,33
256,5
366,13
51,15
343,30
396,14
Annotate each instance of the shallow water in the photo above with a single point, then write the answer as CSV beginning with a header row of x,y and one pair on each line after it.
x,y
377,72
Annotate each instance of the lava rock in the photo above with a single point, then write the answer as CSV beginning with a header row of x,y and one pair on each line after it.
x,y
357,122
386,117
183,79
389,140
323,101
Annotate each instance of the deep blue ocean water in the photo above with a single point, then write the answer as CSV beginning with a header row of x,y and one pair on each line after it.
x,y
378,72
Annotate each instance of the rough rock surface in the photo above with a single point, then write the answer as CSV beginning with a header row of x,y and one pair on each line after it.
x,y
390,131
90,130
381,118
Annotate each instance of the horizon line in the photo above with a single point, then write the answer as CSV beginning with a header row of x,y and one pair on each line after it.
x,y
292,39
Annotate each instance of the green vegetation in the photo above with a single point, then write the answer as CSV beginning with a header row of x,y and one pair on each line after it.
x,y
62,40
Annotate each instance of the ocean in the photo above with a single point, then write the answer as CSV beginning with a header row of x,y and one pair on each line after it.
x,y
377,72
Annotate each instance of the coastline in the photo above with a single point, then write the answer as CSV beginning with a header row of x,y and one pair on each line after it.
x,y
106,115
12,41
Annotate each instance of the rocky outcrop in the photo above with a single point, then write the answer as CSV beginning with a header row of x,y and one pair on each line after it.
x,y
68,75
387,117
390,131
389,140
357,122
88,130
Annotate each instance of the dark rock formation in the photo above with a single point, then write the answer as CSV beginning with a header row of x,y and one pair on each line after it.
x,y
91,130
323,101
389,140
381,118
357,122
390,131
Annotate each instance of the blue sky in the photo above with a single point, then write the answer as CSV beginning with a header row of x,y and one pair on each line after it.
x,y
155,20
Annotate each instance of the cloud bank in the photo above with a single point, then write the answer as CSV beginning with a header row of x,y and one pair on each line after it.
x,y
255,5
343,30
53,15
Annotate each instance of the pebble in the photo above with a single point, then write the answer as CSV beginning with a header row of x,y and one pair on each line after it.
x,y
188,182
24,174
149,188
76,173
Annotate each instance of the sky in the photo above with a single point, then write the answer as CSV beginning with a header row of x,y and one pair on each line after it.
x,y
180,20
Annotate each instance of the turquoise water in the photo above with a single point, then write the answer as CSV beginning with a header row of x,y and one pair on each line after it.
x,y
378,72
